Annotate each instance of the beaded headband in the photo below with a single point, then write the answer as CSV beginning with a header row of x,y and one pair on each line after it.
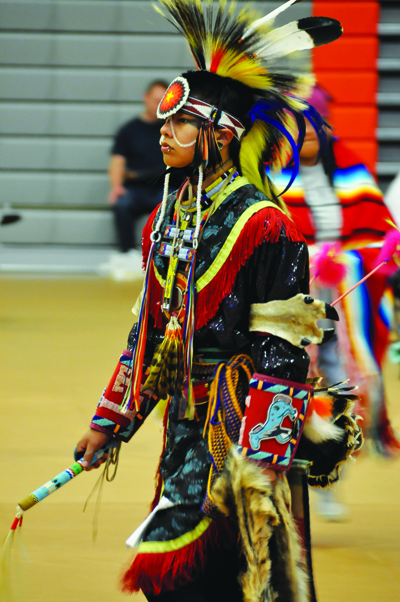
x,y
176,98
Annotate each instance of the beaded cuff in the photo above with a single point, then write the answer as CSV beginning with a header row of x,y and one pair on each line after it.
x,y
273,420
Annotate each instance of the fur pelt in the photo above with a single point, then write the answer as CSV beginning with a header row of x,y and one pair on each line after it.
x,y
271,545
328,455
293,319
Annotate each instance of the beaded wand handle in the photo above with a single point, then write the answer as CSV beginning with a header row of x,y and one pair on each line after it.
x,y
61,479
31,500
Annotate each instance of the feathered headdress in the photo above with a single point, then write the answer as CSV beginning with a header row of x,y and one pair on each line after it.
x,y
234,88
239,47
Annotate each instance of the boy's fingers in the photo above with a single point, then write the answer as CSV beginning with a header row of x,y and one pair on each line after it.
x,y
87,458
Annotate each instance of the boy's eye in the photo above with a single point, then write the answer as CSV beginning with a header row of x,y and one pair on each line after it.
x,y
193,122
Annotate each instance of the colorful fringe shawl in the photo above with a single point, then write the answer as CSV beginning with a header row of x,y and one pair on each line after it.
x,y
363,209
363,338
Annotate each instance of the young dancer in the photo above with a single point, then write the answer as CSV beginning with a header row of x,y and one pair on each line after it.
x,y
223,319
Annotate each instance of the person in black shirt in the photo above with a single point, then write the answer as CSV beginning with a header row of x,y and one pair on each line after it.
x,y
135,163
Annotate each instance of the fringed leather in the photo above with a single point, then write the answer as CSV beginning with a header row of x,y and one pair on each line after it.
x,y
154,573
276,568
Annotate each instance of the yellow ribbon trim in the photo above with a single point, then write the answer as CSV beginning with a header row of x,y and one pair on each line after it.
x,y
227,247
237,183
156,547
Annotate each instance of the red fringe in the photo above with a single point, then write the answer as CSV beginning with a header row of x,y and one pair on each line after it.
x,y
265,225
156,573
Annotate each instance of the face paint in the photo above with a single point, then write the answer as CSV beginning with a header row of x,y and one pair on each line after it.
x,y
178,138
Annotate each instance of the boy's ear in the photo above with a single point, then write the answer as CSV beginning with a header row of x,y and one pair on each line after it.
x,y
224,136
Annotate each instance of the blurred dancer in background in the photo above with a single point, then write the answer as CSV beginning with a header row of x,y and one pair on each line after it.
x,y
335,199
392,198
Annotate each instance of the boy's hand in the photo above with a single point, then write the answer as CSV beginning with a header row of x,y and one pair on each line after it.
x,y
92,441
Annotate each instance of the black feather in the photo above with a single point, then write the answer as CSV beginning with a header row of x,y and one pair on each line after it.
x,y
322,30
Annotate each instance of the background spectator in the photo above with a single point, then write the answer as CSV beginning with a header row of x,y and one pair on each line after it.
x,y
135,164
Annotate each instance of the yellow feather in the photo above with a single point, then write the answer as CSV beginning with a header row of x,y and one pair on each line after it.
x,y
248,71
250,153
252,147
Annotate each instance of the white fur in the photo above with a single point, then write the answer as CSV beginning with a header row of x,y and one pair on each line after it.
x,y
317,429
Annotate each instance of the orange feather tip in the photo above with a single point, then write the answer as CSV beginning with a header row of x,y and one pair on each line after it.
x,y
322,405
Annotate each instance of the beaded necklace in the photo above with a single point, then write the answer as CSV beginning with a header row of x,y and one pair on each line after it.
x,y
171,367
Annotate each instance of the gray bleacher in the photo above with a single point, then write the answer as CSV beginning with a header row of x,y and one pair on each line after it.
x,y
71,72
389,92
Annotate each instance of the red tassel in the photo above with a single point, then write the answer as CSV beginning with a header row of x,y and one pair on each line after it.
x,y
15,523
156,573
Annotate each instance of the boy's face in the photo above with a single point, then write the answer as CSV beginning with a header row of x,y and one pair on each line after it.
x,y
186,128
310,148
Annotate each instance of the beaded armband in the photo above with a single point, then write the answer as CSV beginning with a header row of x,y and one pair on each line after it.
x,y
109,417
273,420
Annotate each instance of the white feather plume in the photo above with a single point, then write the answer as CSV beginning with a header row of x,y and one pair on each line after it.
x,y
270,18
283,41
316,429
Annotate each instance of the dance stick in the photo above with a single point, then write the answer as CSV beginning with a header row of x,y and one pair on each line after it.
x,y
34,498
61,479
313,278
359,282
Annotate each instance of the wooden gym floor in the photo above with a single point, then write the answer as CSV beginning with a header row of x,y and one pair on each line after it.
x,y
60,340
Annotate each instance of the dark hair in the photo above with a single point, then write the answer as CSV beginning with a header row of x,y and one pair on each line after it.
x,y
227,95
156,82
328,160
223,92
